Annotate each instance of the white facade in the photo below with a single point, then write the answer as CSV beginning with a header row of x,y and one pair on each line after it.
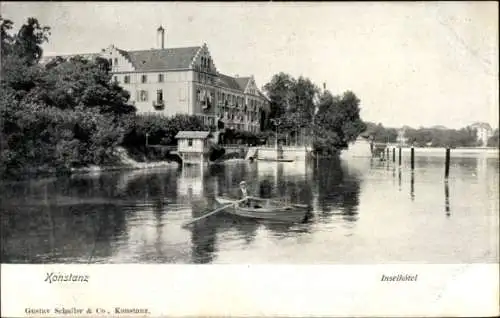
x,y
185,80
484,132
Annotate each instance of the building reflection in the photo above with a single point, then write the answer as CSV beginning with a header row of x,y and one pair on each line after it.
x,y
190,183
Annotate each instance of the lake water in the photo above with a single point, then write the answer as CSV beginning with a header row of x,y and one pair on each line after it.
x,y
364,212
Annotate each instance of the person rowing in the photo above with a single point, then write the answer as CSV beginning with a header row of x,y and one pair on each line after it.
x,y
243,194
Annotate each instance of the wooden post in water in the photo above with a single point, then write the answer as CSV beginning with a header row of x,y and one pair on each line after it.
x,y
393,154
447,164
412,158
399,155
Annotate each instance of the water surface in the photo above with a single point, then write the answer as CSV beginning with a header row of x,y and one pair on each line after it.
x,y
364,212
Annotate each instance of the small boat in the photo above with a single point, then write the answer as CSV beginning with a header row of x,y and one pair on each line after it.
x,y
266,209
276,160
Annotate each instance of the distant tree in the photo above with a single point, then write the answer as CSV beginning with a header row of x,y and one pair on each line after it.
x,y
6,38
442,137
381,133
27,43
493,140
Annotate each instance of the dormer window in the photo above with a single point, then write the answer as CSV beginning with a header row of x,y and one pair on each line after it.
x,y
160,78
144,79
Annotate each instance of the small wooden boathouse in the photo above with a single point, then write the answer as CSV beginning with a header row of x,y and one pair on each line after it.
x,y
193,146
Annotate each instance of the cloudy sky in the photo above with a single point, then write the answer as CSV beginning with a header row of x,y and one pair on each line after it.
x,y
419,64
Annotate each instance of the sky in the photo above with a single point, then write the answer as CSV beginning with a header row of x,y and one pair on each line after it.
x,y
410,63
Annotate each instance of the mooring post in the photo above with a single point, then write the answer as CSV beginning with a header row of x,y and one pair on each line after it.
x,y
400,155
412,158
393,154
447,164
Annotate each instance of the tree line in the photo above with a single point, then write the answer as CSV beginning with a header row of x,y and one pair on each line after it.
x,y
429,137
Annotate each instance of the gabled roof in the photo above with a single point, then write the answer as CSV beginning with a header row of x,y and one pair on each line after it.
x,y
242,82
193,134
161,59
229,82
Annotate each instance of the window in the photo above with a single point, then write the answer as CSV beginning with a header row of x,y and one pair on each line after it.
x,y
144,78
159,96
197,95
115,78
126,79
143,96
116,61
160,78
190,142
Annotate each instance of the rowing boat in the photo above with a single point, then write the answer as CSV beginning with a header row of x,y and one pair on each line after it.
x,y
267,210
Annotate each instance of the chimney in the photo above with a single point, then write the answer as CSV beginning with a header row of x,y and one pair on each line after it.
x,y
160,38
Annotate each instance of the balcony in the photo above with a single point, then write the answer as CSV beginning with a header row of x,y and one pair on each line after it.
x,y
159,105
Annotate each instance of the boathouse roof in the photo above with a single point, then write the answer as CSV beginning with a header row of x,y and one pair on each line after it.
x,y
192,134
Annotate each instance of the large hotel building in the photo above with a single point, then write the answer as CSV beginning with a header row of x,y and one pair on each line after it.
x,y
185,80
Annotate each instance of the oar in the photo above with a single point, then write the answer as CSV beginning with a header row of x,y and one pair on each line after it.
x,y
212,213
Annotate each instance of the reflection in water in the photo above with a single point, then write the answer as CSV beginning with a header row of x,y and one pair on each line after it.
x,y
399,179
136,216
412,186
447,198
203,237
338,190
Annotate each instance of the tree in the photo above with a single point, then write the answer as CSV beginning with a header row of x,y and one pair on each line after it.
x,y
28,42
293,103
337,122
65,115
6,37
381,134
279,91
493,140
